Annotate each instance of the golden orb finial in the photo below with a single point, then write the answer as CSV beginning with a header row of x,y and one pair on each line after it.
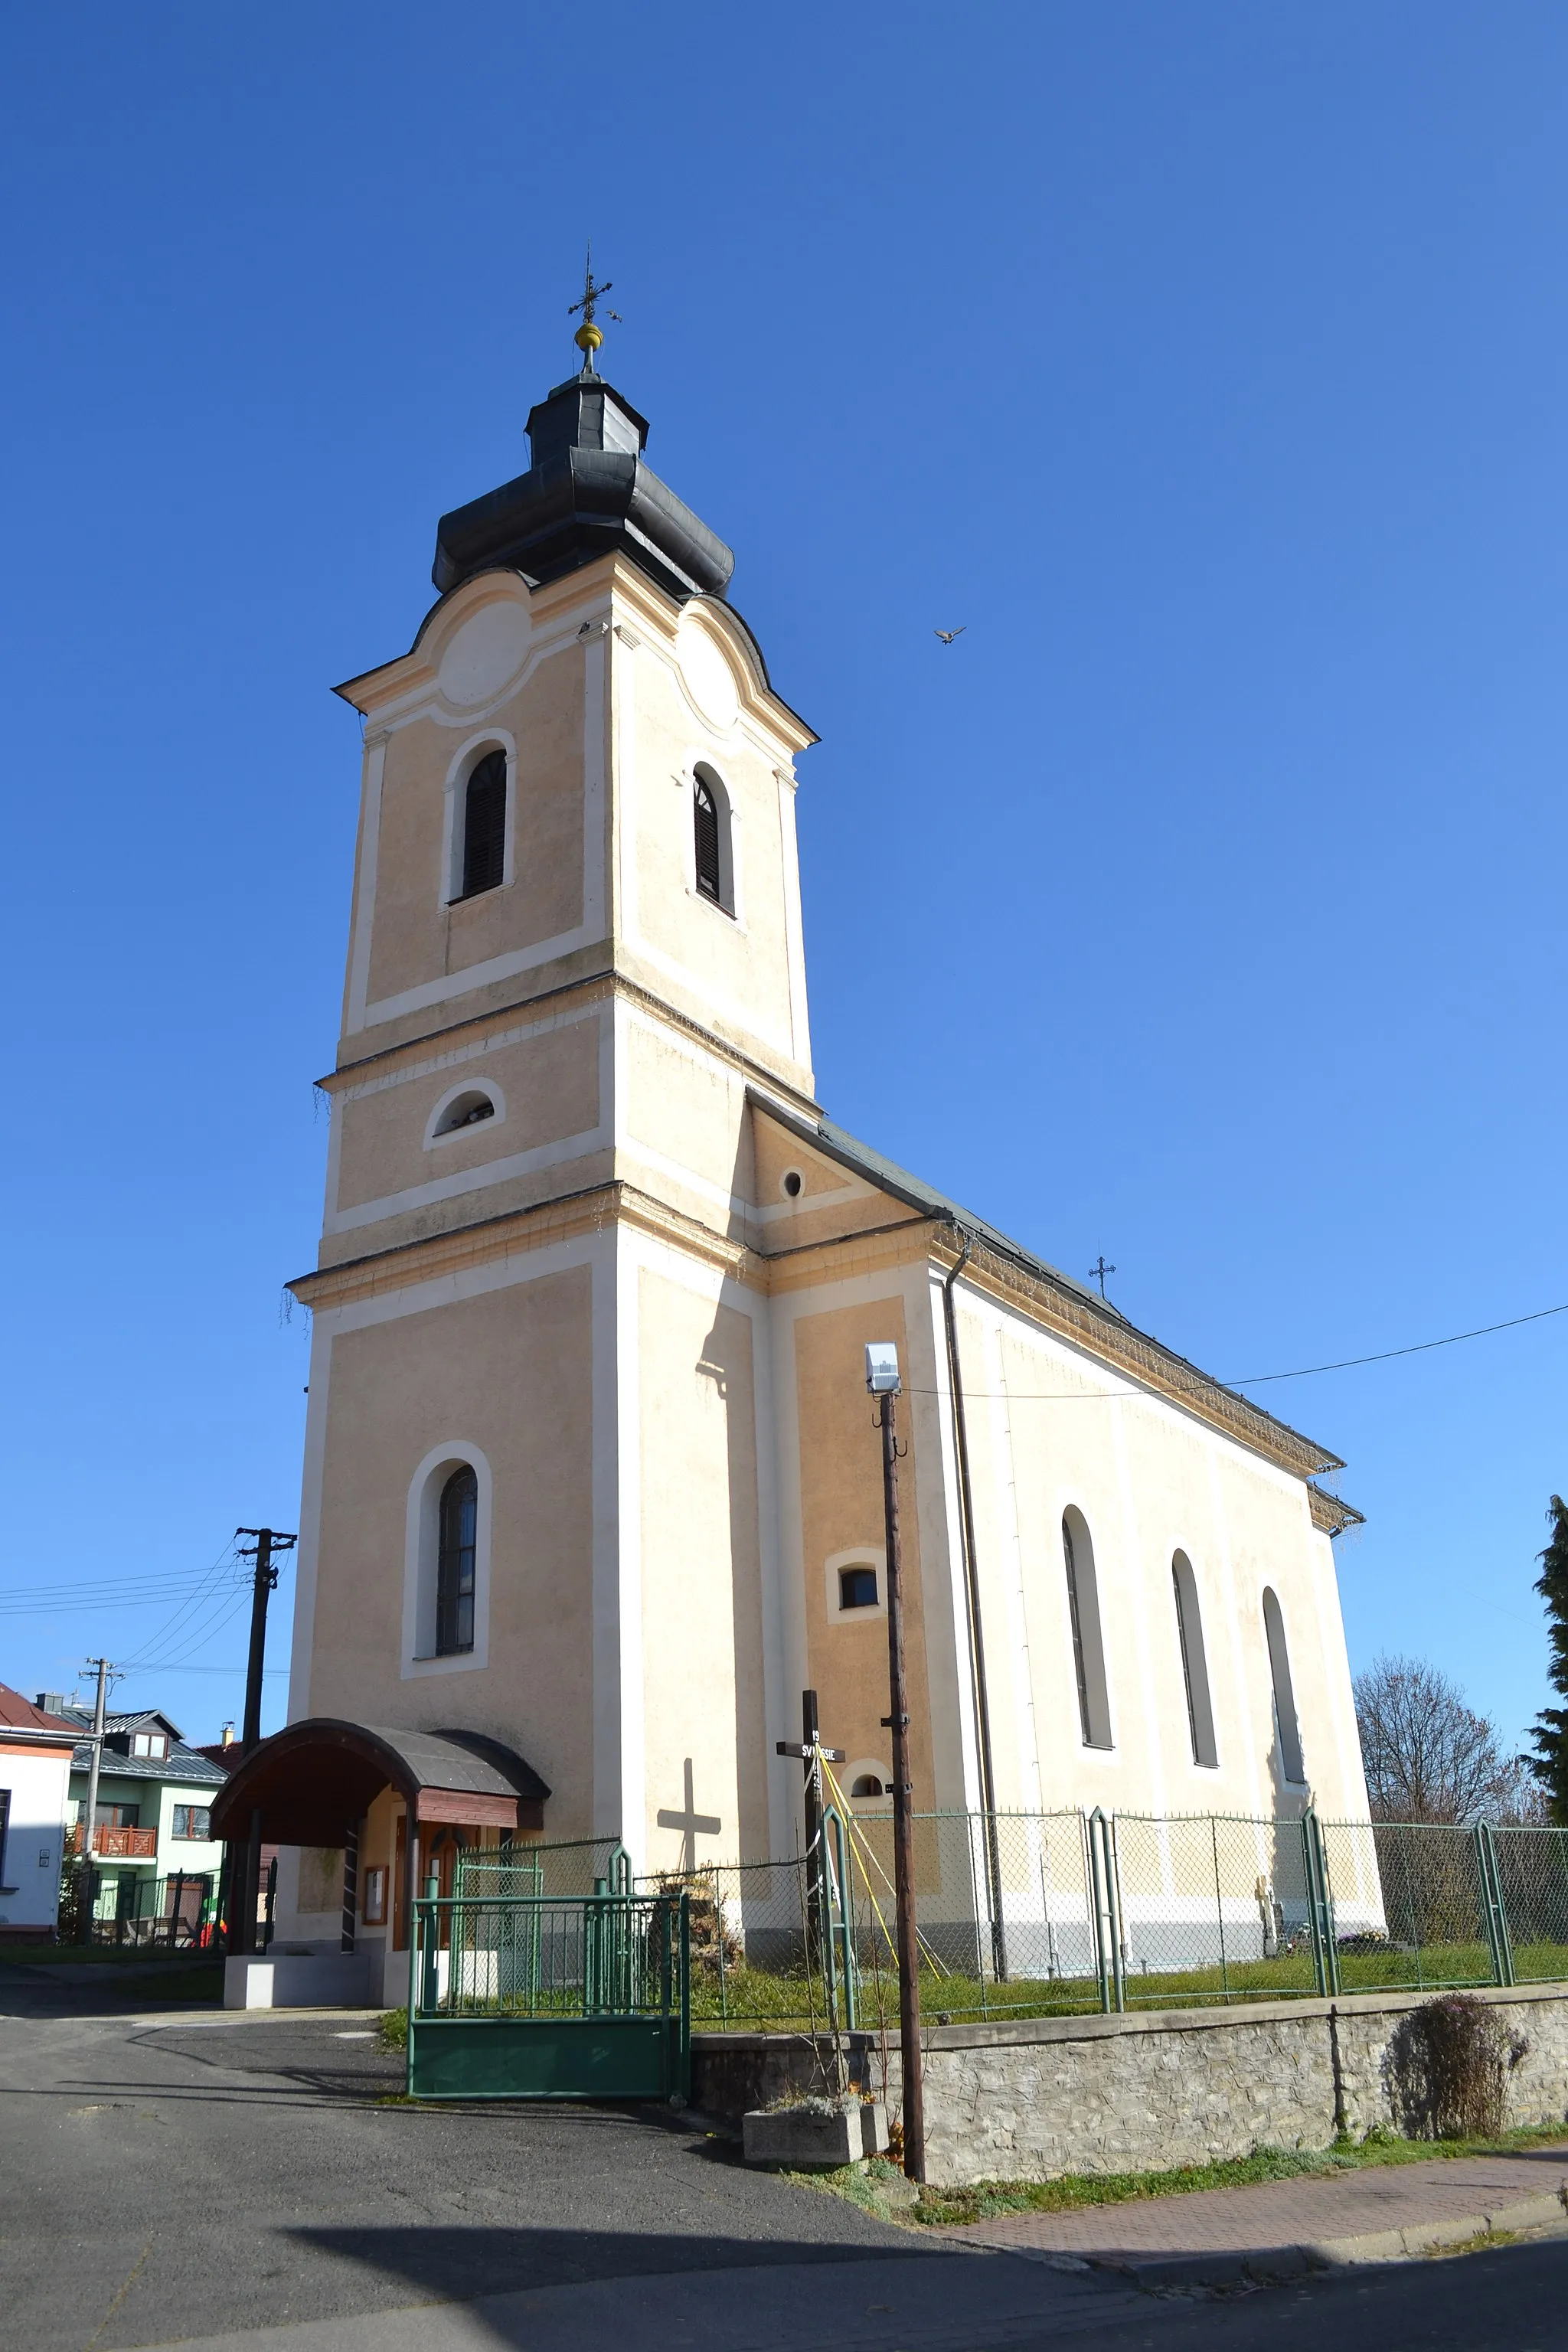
x,y
588,337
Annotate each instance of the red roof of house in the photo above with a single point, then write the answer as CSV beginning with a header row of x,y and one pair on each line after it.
x,y
19,1715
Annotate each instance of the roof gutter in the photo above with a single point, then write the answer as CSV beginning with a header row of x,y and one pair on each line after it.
x,y
972,1598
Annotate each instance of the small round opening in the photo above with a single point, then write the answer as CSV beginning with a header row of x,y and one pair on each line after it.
x,y
856,1588
868,1785
792,1184
468,1110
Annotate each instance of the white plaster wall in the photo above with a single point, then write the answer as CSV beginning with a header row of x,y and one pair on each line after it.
x,y
34,1837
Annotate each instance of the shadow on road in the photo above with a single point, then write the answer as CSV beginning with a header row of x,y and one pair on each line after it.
x,y
454,2264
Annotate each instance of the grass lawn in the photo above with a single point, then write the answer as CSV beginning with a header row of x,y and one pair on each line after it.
x,y
752,2001
759,1999
880,2188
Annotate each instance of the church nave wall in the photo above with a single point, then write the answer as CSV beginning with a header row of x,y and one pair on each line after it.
x,y
1052,1434
505,1372
841,1520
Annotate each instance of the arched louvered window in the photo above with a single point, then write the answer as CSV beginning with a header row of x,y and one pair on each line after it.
x,y
1194,1660
1287,1724
710,875
1088,1640
455,1566
484,825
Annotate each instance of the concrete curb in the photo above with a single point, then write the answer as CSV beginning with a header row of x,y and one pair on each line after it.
x,y
1261,2266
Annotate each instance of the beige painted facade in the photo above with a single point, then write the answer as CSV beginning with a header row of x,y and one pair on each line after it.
x,y
634,1294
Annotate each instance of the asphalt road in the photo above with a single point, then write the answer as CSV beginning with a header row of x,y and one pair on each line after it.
x,y
203,2180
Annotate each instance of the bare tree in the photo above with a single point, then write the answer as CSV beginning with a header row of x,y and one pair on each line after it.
x,y
1430,1757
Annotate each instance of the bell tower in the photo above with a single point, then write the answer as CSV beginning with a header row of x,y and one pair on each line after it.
x,y
574,966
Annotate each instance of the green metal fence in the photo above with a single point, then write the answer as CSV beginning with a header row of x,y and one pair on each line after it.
x,y
577,1866
1039,1913
550,1997
176,1914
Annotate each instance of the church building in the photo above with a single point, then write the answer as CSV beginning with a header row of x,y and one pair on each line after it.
x,y
591,1487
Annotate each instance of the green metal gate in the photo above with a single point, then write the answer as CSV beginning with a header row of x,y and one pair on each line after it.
x,y
545,1996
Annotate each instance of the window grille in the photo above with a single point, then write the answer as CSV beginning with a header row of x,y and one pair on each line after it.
x,y
1287,1723
484,825
1194,1660
455,1566
1079,1668
706,818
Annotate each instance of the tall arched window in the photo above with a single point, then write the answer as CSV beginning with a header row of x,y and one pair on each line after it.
x,y
455,1564
1286,1723
710,864
484,825
1088,1640
1194,1660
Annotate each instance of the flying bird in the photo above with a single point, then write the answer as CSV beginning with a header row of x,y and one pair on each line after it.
x,y
947,635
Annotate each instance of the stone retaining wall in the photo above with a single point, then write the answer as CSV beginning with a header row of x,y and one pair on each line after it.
x,y
1035,2096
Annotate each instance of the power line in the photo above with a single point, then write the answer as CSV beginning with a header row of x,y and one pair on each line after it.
x,y
1203,1380
156,1596
194,1637
1387,1355
202,1592
272,1673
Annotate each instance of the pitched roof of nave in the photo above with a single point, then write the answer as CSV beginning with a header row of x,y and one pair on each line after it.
x,y
1095,1322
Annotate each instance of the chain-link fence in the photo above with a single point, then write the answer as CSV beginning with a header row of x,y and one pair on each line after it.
x,y
767,1945
1532,1885
1004,1906
1209,1907
1042,1913
1413,1906
576,1866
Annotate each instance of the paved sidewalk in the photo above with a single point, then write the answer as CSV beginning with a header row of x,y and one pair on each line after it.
x,y
1382,2214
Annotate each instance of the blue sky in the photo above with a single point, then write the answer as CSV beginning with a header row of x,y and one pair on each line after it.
x,y
1200,906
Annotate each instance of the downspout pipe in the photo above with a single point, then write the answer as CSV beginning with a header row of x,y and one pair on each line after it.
x,y
972,1598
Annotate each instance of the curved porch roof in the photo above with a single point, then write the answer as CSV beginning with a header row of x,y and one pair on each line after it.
x,y
314,1780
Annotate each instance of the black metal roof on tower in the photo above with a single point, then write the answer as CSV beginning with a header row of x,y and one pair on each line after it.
x,y
587,493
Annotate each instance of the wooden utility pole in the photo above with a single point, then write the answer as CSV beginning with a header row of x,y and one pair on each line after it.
x,y
244,1865
882,1380
264,1542
88,1869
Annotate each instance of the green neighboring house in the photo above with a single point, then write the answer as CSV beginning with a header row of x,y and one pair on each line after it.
x,y
155,1856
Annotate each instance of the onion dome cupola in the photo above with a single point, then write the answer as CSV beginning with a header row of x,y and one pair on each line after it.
x,y
587,493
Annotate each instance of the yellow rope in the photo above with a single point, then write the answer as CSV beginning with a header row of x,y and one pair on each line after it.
x,y
842,1809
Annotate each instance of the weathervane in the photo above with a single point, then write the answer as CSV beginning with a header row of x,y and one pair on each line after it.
x,y
589,337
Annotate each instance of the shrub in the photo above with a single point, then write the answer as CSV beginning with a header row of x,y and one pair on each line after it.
x,y
1447,2067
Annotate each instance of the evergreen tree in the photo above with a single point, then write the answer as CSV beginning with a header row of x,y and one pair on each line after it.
x,y
1550,1738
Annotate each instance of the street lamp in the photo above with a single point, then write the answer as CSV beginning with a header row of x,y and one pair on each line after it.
x,y
883,1382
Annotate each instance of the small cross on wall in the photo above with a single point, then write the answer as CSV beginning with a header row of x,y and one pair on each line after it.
x,y
690,1823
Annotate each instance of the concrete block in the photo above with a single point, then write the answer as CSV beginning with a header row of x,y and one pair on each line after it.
x,y
805,2140
298,1980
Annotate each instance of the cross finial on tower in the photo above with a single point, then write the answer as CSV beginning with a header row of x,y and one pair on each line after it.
x,y
1098,1272
589,337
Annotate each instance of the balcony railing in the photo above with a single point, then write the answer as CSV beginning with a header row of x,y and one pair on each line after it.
x,y
118,1845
